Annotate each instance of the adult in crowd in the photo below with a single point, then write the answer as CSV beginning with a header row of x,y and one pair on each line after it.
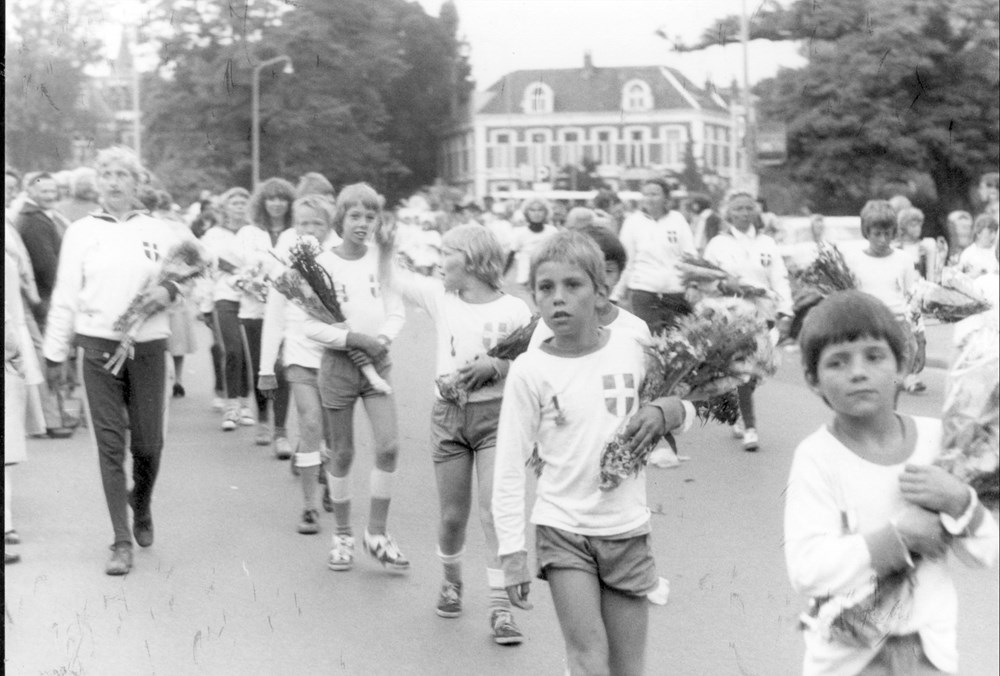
x,y
526,240
40,234
109,258
959,235
753,259
270,215
314,183
221,302
82,199
706,223
655,240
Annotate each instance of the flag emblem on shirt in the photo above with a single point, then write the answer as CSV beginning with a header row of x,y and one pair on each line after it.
x,y
619,393
493,333
373,285
671,236
765,259
152,251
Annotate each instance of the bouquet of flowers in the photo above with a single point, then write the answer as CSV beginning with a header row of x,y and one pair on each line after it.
x,y
707,354
826,274
970,436
954,299
309,286
252,281
182,263
696,272
507,348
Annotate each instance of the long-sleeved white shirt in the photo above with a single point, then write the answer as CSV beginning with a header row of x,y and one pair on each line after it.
x,y
654,248
571,407
368,307
625,321
465,331
103,264
221,243
834,498
523,243
756,260
892,279
256,251
284,321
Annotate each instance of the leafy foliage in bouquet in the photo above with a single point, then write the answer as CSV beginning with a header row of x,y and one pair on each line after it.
x,y
302,258
698,272
954,299
826,274
971,420
252,281
705,356
183,263
515,343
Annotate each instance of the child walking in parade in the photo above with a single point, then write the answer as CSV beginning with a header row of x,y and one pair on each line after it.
x,y
283,332
888,274
375,316
869,517
471,314
567,398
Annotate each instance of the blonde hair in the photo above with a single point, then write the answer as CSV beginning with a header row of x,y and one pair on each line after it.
x,y
573,248
353,195
120,155
482,252
317,202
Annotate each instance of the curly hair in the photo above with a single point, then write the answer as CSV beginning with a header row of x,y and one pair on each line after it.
x,y
270,189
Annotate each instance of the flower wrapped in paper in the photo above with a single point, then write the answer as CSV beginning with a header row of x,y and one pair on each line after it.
x,y
970,437
826,274
507,348
183,263
252,281
704,356
311,288
703,278
954,299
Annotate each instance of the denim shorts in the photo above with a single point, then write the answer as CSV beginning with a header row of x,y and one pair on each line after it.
x,y
341,382
624,564
459,430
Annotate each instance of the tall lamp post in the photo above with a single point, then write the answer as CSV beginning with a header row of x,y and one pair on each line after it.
x,y
255,111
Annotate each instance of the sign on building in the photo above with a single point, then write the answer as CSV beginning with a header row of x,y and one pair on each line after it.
x,y
772,143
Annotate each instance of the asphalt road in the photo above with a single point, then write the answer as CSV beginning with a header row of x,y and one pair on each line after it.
x,y
229,587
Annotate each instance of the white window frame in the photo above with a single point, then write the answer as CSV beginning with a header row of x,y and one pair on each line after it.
x,y
539,99
637,103
636,151
605,149
677,158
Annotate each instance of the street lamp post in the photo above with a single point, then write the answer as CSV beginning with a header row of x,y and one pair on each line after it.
x,y
255,111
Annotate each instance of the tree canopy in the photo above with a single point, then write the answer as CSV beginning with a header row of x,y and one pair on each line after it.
x,y
372,81
892,92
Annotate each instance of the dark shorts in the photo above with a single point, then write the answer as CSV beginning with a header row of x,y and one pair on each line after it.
x,y
302,375
341,382
625,565
459,430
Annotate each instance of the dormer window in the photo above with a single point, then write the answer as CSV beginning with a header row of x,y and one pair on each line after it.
x,y
636,96
538,98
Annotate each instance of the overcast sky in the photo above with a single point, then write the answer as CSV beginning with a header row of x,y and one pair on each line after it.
x,y
507,35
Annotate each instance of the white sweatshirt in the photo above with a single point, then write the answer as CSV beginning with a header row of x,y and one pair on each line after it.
x,y
654,248
571,407
756,260
892,279
834,498
255,243
465,330
284,321
625,321
368,307
103,264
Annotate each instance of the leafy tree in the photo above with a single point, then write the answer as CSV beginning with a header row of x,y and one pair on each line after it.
x,y
48,44
691,176
891,91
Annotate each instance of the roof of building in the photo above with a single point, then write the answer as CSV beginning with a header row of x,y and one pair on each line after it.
x,y
593,89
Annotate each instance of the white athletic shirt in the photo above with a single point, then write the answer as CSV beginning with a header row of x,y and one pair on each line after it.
x,y
831,487
891,278
524,242
756,260
103,264
625,321
465,330
221,243
654,248
369,308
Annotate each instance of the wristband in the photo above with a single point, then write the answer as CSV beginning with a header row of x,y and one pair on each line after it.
x,y
961,524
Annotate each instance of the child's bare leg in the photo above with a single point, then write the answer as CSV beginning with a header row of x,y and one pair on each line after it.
x,y
382,415
576,595
626,620
484,475
308,459
454,483
341,424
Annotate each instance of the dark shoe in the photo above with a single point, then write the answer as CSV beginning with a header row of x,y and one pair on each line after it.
x,y
120,562
142,524
310,522
327,500
10,557
59,432
11,538
505,632
179,390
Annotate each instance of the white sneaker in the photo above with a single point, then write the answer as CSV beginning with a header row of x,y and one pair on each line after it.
x,y
230,419
383,549
218,404
342,554
738,429
246,417
660,595
664,457
750,441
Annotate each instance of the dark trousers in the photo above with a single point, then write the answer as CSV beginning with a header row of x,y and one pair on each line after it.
x,y
659,310
133,401
235,370
253,329
744,393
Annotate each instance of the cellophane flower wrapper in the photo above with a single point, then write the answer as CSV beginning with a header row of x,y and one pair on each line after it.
x,y
302,260
954,299
702,279
515,343
182,263
705,355
252,281
450,390
863,622
970,438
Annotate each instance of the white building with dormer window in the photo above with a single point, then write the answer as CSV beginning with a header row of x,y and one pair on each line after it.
x,y
632,121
